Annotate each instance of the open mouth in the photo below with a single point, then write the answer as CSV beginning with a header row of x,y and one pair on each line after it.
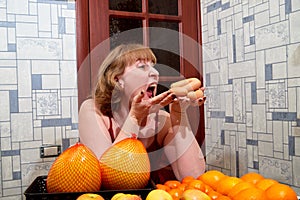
x,y
151,90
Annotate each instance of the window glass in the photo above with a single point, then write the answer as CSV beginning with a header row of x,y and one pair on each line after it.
x,y
126,5
165,45
166,7
125,30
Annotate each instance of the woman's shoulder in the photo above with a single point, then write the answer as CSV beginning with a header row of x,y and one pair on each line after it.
x,y
88,107
89,101
87,104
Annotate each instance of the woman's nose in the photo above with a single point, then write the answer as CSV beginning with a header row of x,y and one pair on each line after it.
x,y
153,73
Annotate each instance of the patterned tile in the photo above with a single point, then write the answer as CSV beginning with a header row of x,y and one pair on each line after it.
x,y
32,71
263,71
47,104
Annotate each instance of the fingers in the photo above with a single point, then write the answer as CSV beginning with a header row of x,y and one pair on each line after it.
x,y
157,99
138,98
170,98
163,99
199,102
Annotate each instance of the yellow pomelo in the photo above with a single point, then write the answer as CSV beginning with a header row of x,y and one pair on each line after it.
x,y
125,165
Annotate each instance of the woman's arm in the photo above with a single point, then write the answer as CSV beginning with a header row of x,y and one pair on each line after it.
x,y
182,148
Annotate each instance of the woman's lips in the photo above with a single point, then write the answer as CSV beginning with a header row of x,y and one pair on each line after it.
x,y
150,90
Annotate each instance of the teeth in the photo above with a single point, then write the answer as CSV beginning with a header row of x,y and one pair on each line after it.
x,y
151,89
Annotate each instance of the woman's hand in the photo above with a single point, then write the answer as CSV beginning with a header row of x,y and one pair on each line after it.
x,y
188,92
181,95
141,108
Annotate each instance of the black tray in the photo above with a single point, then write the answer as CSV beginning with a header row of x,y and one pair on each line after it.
x,y
38,191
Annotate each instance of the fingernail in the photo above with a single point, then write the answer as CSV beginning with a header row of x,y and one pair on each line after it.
x,y
204,98
174,96
200,100
142,92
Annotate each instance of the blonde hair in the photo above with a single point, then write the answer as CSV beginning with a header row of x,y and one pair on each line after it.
x,y
107,90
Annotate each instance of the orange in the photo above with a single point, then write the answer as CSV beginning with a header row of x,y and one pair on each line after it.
x,y
207,188
214,194
162,187
251,194
172,183
252,177
187,179
279,191
211,178
197,184
226,184
175,193
265,183
239,187
223,197
182,186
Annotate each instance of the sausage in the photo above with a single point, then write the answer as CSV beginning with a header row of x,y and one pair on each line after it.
x,y
193,95
189,84
179,91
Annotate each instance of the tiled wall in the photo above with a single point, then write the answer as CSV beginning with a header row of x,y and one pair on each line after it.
x,y
252,75
38,88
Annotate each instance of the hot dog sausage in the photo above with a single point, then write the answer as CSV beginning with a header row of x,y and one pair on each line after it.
x,y
179,91
189,84
193,95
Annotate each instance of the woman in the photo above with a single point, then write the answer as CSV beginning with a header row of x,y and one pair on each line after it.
x,y
124,101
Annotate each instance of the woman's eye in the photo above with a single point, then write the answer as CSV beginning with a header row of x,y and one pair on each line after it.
x,y
142,67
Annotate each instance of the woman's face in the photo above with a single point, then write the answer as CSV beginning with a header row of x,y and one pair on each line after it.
x,y
139,76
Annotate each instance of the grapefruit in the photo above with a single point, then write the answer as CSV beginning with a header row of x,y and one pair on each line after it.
x,y
77,169
125,165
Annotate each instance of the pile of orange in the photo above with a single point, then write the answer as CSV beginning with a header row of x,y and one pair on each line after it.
x,y
218,186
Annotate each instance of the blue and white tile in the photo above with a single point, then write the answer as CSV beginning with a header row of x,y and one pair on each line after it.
x,y
272,35
3,42
20,124
44,17
280,170
50,81
276,55
24,77
17,7
5,110
259,123
41,48
47,103
294,27
45,67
